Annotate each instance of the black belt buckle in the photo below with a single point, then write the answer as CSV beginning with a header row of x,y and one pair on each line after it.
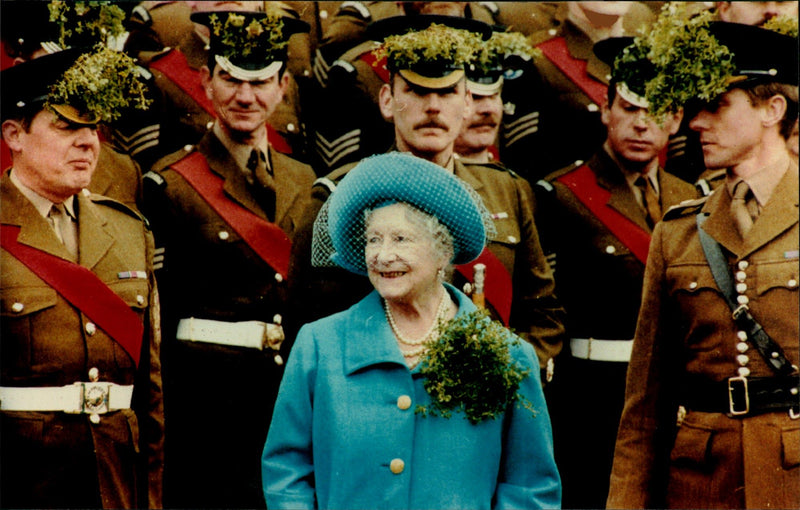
x,y
738,396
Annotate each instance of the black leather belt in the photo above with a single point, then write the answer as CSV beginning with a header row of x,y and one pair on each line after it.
x,y
740,396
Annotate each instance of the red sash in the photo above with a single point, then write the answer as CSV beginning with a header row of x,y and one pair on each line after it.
x,y
265,238
583,184
557,52
83,289
498,287
175,67
379,66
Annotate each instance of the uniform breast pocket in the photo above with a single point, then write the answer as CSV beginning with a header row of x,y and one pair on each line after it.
x,y
21,302
779,276
690,280
135,292
219,234
610,246
505,241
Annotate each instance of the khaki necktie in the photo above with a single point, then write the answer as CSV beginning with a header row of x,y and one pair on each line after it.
x,y
739,209
261,182
649,200
65,228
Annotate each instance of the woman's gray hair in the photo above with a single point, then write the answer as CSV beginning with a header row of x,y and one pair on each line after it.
x,y
441,236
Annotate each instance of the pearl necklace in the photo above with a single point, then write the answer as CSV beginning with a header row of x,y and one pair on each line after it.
x,y
441,313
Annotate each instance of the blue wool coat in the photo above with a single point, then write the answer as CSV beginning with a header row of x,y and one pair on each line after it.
x,y
341,438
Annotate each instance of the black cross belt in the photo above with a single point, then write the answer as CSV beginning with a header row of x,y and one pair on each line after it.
x,y
739,396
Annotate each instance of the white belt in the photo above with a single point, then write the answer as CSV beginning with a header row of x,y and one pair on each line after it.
x,y
76,398
601,350
252,334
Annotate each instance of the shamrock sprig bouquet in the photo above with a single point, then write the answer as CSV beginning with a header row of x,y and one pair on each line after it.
x,y
469,368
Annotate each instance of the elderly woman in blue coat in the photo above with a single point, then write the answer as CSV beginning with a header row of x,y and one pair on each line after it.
x,y
345,433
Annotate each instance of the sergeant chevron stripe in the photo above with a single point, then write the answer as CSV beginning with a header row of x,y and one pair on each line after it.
x,y
523,126
145,138
321,68
332,152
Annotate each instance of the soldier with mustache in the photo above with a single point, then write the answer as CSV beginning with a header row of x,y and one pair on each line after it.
x,y
427,101
596,219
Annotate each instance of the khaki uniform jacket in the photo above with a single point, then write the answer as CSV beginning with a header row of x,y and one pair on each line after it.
x,y
219,399
599,280
117,176
685,331
536,314
54,459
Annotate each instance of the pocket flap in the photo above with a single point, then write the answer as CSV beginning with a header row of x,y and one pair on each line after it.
x,y
692,444
26,300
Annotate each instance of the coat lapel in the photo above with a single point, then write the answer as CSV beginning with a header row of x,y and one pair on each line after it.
x,y
610,177
94,238
370,340
35,231
779,214
286,189
224,165
719,224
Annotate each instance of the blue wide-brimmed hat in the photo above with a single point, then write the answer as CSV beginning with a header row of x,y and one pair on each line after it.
x,y
400,177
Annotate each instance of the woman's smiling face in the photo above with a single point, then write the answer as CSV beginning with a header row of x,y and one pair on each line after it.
x,y
402,261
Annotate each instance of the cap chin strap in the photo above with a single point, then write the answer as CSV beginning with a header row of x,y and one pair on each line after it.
x,y
630,96
246,74
485,89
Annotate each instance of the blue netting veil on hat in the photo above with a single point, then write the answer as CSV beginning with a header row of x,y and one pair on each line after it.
x,y
338,238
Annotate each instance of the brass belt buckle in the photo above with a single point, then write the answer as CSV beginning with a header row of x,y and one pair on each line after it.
x,y
94,397
740,310
734,386
273,338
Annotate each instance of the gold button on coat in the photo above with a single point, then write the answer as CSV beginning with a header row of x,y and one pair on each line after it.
x,y
404,402
17,307
397,466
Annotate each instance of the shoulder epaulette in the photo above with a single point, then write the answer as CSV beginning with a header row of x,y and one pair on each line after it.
x,y
491,7
114,204
155,177
684,208
494,165
357,9
545,185
172,158
544,35
148,57
564,171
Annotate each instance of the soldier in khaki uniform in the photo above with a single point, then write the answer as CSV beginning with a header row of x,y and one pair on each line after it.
x,y
80,373
224,212
596,219
27,33
427,106
712,406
